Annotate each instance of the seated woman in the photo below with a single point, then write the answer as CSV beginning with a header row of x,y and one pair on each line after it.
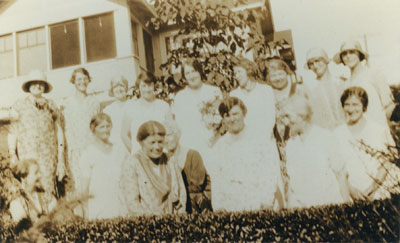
x,y
315,166
101,167
370,176
245,168
29,202
149,183
190,162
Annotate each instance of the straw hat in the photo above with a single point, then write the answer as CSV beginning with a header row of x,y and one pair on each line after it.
x,y
315,53
349,45
117,81
36,76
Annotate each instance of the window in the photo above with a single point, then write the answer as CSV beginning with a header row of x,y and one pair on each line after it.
x,y
100,37
135,39
65,48
168,44
148,45
31,53
6,56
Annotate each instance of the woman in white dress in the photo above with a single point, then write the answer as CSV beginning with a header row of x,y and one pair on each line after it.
x,y
314,163
101,167
374,83
146,108
186,108
370,176
78,110
245,169
258,98
116,110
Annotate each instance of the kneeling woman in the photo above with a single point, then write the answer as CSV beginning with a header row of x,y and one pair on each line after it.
x,y
150,184
101,166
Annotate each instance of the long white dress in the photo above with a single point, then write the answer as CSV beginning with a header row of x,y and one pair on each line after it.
x,y
260,104
78,111
244,172
116,111
311,166
186,108
141,111
363,167
101,165
325,102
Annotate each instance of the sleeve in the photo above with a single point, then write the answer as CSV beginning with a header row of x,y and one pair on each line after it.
x,y
383,89
195,171
129,185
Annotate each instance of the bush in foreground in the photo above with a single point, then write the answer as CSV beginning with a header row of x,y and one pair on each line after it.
x,y
367,221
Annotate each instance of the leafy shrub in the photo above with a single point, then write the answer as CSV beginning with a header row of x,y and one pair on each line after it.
x,y
367,221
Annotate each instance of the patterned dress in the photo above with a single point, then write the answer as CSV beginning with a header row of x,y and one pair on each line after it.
x,y
37,138
78,111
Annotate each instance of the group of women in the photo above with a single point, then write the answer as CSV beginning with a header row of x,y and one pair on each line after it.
x,y
144,156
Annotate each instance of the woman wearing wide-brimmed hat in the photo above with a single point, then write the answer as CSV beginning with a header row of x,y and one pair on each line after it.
x,y
381,101
35,133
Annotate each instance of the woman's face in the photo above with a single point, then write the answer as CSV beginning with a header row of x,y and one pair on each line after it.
x,y
119,92
81,82
278,78
353,109
153,146
36,89
171,139
241,75
147,91
235,120
193,77
351,58
102,131
318,66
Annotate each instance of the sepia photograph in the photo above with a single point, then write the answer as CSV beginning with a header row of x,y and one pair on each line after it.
x,y
199,121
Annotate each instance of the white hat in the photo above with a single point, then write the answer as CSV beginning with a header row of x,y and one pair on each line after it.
x,y
314,53
349,45
36,76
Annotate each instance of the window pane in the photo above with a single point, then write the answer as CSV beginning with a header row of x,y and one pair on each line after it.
x,y
148,45
65,48
6,57
31,57
41,36
100,37
135,39
32,38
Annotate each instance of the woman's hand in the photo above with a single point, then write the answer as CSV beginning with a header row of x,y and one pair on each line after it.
x,y
356,194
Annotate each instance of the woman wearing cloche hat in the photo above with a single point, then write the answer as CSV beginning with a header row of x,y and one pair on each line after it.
x,y
36,134
381,101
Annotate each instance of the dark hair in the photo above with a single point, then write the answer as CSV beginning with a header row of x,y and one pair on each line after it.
x,y
278,64
150,128
80,70
360,55
146,77
359,93
97,119
45,85
196,65
228,103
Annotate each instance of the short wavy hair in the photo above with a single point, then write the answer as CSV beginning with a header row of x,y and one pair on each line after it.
x,y
97,119
228,103
80,70
358,92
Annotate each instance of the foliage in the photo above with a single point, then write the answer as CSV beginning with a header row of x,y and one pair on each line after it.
x,y
367,221
213,34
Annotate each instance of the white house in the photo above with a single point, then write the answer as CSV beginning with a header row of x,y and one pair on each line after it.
x,y
107,37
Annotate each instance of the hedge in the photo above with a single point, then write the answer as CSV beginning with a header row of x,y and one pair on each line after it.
x,y
376,221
